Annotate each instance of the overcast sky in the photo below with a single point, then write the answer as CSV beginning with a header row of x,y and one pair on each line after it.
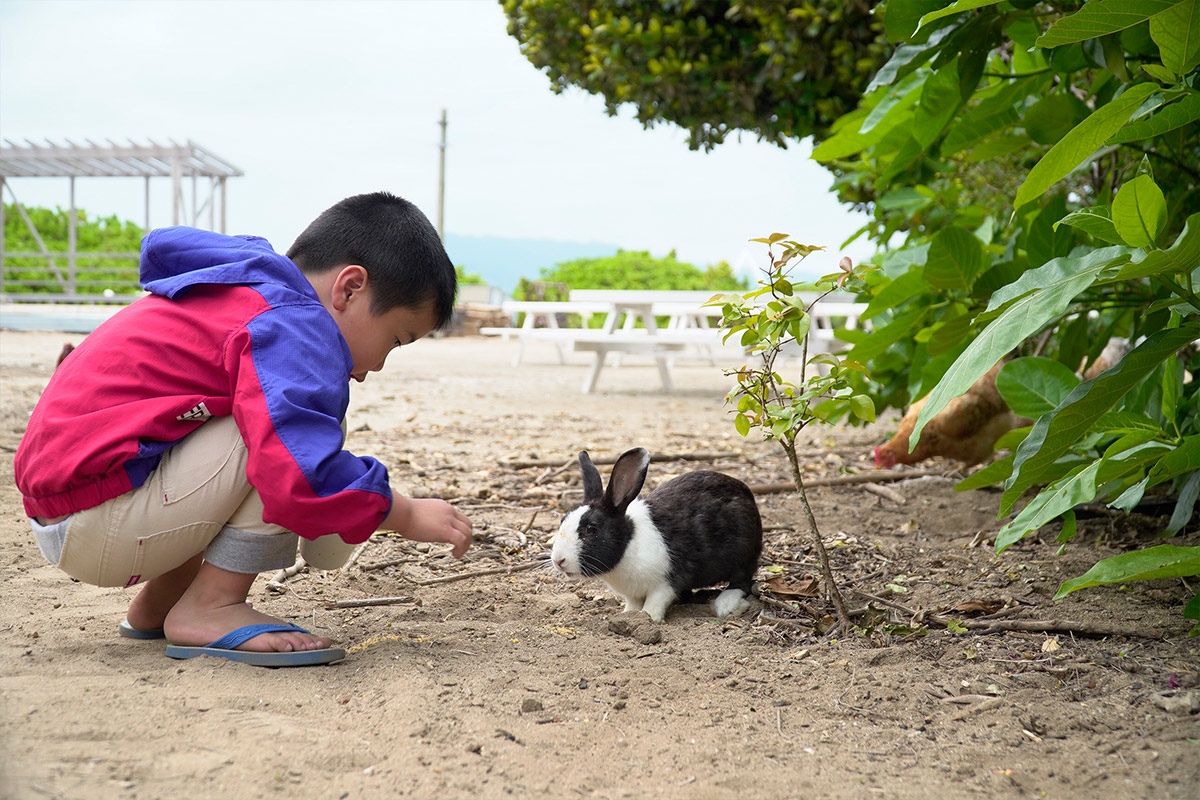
x,y
319,100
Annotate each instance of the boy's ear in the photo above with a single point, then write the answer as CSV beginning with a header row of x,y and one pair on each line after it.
x,y
351,280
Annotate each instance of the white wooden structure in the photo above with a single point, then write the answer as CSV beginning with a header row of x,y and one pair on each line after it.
x,y
179,162
690,325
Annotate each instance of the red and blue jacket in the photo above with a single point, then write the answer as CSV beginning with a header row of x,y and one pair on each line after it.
x,y
230,327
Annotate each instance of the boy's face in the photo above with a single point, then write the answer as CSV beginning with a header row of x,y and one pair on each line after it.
x,y
371,337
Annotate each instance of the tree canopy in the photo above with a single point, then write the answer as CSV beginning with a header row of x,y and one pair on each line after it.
x,y
782,70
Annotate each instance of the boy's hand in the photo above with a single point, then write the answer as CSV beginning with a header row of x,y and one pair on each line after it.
x,y
432,520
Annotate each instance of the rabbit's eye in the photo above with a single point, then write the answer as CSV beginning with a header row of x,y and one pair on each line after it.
x,y
589,529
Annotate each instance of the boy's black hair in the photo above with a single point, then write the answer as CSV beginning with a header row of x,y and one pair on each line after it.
x,y
393,241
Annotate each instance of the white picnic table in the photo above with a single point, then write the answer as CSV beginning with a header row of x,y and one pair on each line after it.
x,y
688,326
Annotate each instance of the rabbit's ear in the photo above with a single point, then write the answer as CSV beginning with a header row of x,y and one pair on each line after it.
x,y
628,475
593,487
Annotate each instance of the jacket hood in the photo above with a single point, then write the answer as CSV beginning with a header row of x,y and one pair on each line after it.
x,y
176,259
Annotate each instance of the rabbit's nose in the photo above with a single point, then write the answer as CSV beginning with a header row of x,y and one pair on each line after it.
x,y
560,561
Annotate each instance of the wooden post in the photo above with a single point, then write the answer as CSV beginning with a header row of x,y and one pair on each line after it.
x,y
72,239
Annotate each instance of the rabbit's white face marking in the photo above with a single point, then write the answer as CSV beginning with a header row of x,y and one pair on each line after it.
x,y
646,562
565,552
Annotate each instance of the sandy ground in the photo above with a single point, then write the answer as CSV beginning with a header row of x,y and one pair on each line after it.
x,y
517,683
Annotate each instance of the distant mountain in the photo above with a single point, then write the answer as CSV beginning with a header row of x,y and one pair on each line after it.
x,y
503,262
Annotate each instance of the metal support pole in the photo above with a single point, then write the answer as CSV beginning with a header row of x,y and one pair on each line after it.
x,y
3,236
146,229
441,203
72,241
195,208
212,200
223,196
176,189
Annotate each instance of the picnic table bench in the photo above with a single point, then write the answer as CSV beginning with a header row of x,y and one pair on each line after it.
x,y
688,326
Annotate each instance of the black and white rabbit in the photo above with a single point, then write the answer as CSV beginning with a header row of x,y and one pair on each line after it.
x,y
700,529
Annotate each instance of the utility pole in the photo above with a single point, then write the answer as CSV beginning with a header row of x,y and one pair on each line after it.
x,y
441,208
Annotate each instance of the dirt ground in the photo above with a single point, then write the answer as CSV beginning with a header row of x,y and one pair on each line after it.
x,y
514,682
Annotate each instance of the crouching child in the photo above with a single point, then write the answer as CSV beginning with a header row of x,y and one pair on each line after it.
x,y
189,441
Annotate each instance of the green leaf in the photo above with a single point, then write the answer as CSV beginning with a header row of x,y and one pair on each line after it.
x,y
903,288
1051,502
1164,120
1181,257
1131,496
1100,18
908,57
996,472
1176,31
1192,609
956,257
1060,276
1069,527
862,407
1163,561
1160,73
1183,459
1139,211
1081,142
1055,432
1033,386
1185,507
1095,221
953,8
883,338
1126,422
897,101
1052,117
742,423
1028,303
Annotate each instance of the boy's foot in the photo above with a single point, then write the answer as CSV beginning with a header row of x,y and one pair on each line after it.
x,y
215,605
158,596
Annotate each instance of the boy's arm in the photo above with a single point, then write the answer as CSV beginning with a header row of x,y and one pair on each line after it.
x,y
290,393
429,520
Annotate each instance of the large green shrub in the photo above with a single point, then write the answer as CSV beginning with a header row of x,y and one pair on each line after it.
x,y
1093,114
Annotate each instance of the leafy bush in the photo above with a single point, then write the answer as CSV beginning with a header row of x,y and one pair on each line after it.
x,y
94,275
629,269
463,276
1095,114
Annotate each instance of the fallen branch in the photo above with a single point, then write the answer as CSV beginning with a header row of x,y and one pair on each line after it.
x,y
886,493
654,457
873,476
370,601
391,562
1002,625
462,576
277,581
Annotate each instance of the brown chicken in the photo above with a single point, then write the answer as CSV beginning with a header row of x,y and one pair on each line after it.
x,y
965,430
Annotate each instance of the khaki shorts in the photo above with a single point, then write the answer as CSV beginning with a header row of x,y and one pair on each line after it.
x,y
198,500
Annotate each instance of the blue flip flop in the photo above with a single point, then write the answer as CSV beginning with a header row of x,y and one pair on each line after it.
x,y
130,632
224,648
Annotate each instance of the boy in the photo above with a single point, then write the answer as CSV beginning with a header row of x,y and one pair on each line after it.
x,y
190,438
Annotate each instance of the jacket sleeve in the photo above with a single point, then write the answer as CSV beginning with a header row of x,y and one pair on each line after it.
x,y
290,372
